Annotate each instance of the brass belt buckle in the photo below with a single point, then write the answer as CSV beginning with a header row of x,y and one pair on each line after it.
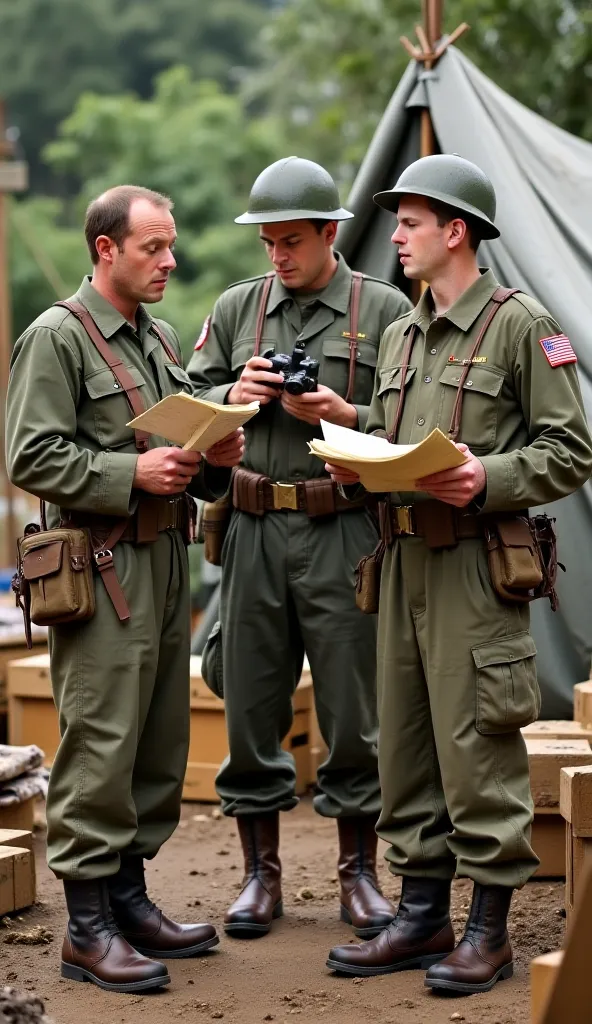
x,y
404,517
285,496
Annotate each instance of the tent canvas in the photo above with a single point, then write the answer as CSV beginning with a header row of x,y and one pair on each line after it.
x,y
543,180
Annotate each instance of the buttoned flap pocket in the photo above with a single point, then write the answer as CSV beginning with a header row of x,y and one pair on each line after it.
x,y
485,380
244,349
180,377
44,560
338,348
508,695
391,377
102,383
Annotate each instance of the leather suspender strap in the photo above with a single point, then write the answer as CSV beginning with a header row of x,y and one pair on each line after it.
x,y
165,344
392,437
498,298
354,315
262,311
115,364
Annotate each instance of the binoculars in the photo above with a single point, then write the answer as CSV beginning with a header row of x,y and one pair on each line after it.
x,y
300,372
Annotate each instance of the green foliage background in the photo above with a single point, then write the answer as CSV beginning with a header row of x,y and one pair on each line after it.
x,y
194,99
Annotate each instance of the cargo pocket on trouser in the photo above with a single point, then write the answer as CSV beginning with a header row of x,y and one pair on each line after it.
x,y
508,695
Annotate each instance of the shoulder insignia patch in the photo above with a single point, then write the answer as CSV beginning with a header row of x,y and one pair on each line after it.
x,y
204,334
558,350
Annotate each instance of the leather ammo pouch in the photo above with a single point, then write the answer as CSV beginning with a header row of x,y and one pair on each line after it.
x,y
367,577
248,491
514,561
54,580
213,527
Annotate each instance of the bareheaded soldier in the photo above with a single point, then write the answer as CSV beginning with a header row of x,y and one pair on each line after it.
x,y
293,541
121,679
456,661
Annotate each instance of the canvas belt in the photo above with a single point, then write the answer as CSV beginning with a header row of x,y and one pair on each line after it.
x,y
258,494
439,524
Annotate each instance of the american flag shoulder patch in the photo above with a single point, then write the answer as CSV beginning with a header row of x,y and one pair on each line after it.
x,y
558,350
204,334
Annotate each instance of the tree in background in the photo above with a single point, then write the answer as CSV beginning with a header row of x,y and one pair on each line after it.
x,y
191,141
329,67
52,51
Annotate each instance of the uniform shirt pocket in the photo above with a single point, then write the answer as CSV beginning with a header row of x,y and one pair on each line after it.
x,y
508,695
334,372
480,408
243,350
111,410
179,379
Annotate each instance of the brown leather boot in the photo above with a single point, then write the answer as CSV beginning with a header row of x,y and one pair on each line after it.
x,y
145,926
260,900
483,955
362,903
420,935
94,949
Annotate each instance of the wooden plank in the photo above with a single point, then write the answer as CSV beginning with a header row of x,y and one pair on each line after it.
x,y
16,837
543,974
546,758
575,798
557,730
583,703
24,878
18,816
6,879
569,999
578,859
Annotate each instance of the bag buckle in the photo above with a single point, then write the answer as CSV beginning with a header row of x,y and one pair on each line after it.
x,y
103,559
404,519
284,496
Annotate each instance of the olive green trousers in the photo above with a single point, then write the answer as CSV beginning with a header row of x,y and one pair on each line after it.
x,y
287,588
456,681
122,693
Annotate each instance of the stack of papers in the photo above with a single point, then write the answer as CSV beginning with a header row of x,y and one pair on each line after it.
x,y
382,466
192,422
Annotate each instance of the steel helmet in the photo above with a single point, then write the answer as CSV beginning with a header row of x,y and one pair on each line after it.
x,y
450,179
293,189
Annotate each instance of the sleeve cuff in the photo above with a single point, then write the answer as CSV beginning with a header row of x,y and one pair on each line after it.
x,y
220,393
363,412
117,481
498,471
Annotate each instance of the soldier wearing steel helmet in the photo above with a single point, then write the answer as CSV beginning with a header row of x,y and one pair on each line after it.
x,y
456,661
292,543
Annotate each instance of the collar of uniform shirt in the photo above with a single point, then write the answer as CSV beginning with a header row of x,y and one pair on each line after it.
x,y
465,310
335,295
108,319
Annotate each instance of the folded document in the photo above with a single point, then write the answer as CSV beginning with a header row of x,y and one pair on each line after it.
x,y
382,466
192,422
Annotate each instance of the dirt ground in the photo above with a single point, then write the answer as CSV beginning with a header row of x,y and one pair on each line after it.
x,y
279,977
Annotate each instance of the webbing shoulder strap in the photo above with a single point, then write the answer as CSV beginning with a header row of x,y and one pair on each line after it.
x,y
498,298
392,437
354,316
165,344
262,310
122,375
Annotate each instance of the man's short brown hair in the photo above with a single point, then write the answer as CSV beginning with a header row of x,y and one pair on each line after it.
x,y
446,213
108,214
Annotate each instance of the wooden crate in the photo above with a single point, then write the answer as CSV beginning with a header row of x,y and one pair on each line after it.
x,y
576,808
556,730
583,703
32,716
33,719
209,744
543,974
546,758
18,816
17,870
